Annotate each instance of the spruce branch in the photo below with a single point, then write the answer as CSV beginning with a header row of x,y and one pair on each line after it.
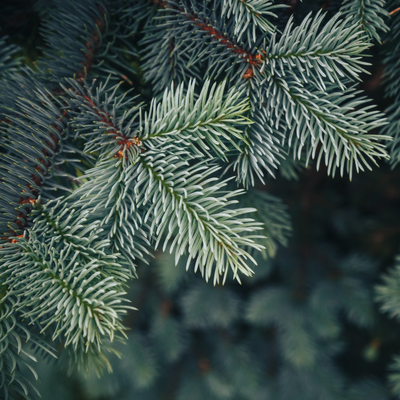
x,y
56,287
166,56
145,165
262,149
304,66
318,49
105,200
99,118
33,141
14,355
192,47
370,15
249,15
9,63
187,206
89,17
209,125
392,84
157,181
334,119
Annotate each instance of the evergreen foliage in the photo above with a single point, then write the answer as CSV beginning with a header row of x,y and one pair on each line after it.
x,y
393,83
155,127
372,16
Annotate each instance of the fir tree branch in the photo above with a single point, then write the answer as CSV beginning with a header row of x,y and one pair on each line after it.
x,y
370,14
320,52
57,289
105,200
262,150
207,228
91,17
31,157
13,353
209,123
335,120
392,85
250,14
9,63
